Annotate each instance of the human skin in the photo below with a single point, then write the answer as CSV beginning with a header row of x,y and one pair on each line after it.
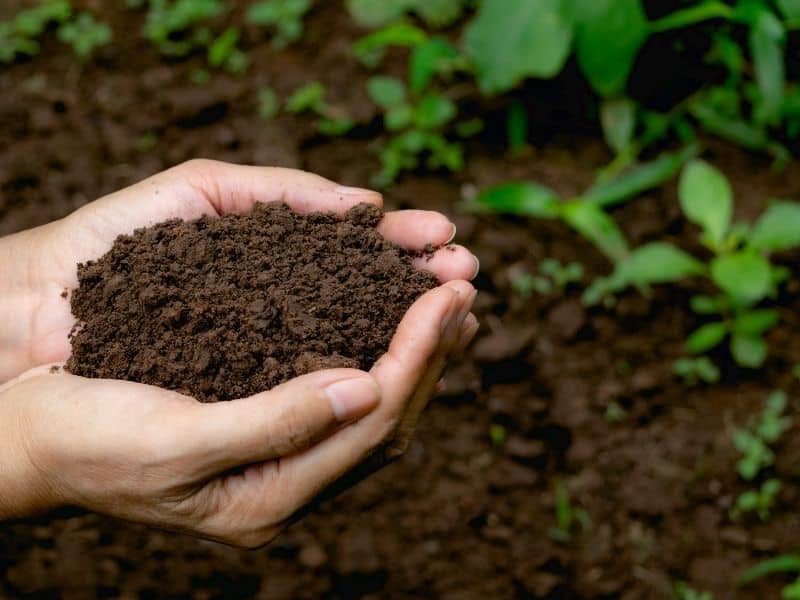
x,y
237,471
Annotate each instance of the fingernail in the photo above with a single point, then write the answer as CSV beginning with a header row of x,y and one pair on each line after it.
x,y
353,191
353,398
452,235
477,267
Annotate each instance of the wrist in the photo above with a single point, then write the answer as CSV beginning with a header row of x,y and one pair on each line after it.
x,y
24,486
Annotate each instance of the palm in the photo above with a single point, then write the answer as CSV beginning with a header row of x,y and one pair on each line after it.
x,y
199,189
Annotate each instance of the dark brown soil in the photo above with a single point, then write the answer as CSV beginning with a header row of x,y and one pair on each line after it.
x,y
223,308
458,517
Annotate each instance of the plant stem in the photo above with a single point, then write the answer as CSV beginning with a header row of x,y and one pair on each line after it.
x,y
692,15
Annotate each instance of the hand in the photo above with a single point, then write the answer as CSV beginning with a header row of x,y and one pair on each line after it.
x,y
233,471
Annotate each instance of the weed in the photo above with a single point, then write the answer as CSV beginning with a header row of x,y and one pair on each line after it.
x,y
285,17
19,37
787,563
568,517
223,53
173,26
311,98
758,500
84,34
435,13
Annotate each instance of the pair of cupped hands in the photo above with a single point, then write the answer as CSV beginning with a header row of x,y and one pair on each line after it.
x,y
236,472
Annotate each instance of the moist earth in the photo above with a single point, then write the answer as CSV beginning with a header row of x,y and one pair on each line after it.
x,y
223,308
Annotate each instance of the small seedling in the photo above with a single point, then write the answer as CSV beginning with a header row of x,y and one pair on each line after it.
x,y
284,17
683,591
435,13
787,563
553,278
417,124
223,53
614,413
84,34
19,37
693,370
173,26
568,517
311,98
758,500
753,441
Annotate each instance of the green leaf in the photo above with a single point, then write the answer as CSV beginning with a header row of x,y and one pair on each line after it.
x,y
524,198
706,337
639,179
788,563
309,97
510,40
706,199
398,117
778,228
268,103
748,350
386,92
756,322
609,34
745,276
657,262
222,48
434,110
789,8
596,226
425,61
766,46
618,118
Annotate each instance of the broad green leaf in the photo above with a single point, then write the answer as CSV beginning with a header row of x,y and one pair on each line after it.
x,y
706,337
398,117
790,10
596,226
748,350
386,92
425,61
437,13
639,179
745,276
657,262
706,199
756,322
618,118
510,40
609,34
766,46
523,198
778,228
434,110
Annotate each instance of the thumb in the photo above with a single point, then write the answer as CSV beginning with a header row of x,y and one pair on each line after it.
x,y
283,421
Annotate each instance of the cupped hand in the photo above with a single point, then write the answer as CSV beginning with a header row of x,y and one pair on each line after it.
x,y
234,471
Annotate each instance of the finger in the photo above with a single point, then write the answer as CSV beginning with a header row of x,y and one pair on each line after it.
x,y
449,263
398,373
280,422
415,229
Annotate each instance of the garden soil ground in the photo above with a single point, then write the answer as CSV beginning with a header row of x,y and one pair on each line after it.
x,y
456,517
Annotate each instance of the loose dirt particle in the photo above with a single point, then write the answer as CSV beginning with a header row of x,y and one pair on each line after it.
x,y
223,308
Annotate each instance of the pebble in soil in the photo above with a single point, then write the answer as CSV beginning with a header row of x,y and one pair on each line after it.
x,y
223,308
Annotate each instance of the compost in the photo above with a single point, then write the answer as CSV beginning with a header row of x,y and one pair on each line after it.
x,y
223,308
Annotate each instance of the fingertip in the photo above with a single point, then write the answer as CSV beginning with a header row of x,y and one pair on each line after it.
x,y
450,262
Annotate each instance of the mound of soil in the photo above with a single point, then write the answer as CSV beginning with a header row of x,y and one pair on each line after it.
x,y
223,308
